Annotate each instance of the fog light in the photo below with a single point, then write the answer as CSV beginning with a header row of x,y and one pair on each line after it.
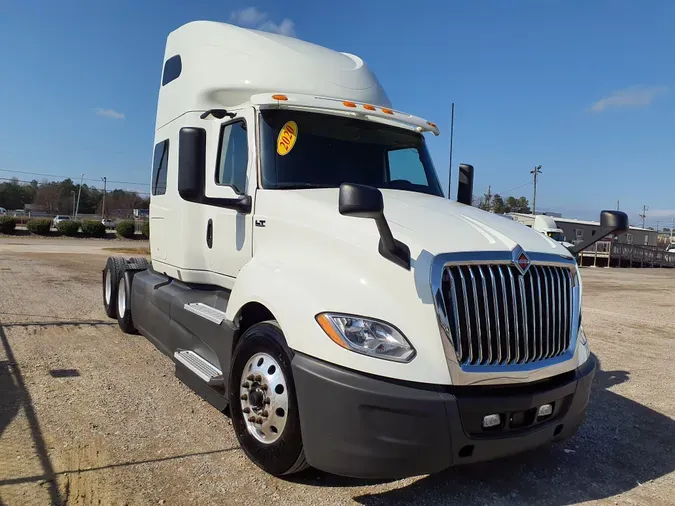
x,y
545,410
492,421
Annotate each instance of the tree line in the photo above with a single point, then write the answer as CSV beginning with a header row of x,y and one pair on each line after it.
x,y
61,198
498,205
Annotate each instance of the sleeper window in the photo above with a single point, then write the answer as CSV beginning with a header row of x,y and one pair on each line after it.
x,y
160,163
233,156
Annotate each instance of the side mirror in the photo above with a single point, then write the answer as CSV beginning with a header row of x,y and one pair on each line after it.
x,y
191,162
611,222
192,171
465,184
361,201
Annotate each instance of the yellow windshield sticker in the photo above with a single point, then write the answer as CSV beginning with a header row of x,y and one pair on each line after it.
x,y
287,137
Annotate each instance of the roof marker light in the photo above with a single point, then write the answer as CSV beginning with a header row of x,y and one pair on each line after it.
x,y
369,107
279,97
348,104
387,111
431,124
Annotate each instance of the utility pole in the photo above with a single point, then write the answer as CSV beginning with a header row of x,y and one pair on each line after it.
x,y
452,131
643,215
72,194
617,205
489,199
77,207
657,226
535,172
105,180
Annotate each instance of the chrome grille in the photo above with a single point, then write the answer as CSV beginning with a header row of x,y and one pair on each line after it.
x,y
496,316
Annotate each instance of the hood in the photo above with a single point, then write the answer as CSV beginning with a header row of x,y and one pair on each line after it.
x,y
426,222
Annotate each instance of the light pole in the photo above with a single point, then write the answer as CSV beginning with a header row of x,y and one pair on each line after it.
x,y
535,172
77,206
72,194
105,180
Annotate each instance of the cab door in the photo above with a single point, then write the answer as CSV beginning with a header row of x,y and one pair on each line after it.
x,y
231,175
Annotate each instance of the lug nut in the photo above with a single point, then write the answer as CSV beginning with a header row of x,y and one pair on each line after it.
x,y
265,414
251,418
259,420
267,400
250,377
258,378
264,387
245,384
246,410
244,397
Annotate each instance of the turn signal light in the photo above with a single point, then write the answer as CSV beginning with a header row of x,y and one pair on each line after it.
x,y
431,124
279,97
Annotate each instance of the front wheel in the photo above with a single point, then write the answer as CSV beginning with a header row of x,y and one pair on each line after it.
x,y
262,401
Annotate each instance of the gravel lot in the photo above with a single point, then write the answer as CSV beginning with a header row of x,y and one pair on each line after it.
x,y
89,415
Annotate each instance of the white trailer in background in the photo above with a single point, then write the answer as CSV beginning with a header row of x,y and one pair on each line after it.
x,y
336,337
543,224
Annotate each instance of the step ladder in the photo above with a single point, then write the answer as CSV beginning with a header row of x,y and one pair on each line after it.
x,y
205,311
201,367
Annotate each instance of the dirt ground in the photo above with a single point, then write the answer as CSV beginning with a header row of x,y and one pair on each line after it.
x,y
89,415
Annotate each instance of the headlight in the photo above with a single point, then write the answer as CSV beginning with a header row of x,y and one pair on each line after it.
x,y
369,337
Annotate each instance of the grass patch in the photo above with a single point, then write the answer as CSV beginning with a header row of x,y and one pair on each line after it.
x,y
130,251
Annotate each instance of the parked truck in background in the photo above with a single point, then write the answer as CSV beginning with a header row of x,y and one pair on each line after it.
x,y
310,279
543,224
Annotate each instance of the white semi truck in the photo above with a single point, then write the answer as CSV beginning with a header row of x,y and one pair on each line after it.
x,y
543,224
310,279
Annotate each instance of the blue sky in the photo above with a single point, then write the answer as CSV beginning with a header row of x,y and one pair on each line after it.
x,y
586,89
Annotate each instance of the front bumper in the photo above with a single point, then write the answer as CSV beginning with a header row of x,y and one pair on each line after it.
x,y
369,427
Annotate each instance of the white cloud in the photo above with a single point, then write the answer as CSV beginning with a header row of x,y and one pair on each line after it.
x,y
286,27
109,113
635,96
252,17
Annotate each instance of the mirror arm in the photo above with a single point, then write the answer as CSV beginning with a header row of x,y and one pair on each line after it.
x,y
390,248
242,204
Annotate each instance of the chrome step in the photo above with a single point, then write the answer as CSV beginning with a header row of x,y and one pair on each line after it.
x,y
201,367
205,311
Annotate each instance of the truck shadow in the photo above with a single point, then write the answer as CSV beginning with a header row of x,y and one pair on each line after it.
x,y
621,445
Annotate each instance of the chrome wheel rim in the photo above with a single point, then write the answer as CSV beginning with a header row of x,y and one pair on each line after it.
x,y
121,299
108,286
264,398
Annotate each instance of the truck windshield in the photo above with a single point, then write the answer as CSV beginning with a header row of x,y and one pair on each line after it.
x,y
557,236
310,150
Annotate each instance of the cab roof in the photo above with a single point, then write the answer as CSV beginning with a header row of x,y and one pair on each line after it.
x,y
210,65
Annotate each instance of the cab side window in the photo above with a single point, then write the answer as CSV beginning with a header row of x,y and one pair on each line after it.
x,y
160,163
233,156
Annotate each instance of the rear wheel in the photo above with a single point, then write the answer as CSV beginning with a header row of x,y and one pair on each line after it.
x,y
124,319
262,401
114,270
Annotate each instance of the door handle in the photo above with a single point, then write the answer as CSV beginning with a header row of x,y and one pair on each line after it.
x,y
209,234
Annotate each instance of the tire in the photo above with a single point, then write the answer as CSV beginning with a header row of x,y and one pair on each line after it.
x,y
277,453
124,319
139,263
114,270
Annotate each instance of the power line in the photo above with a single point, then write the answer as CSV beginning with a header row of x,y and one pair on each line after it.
x,y
509,191
69,177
